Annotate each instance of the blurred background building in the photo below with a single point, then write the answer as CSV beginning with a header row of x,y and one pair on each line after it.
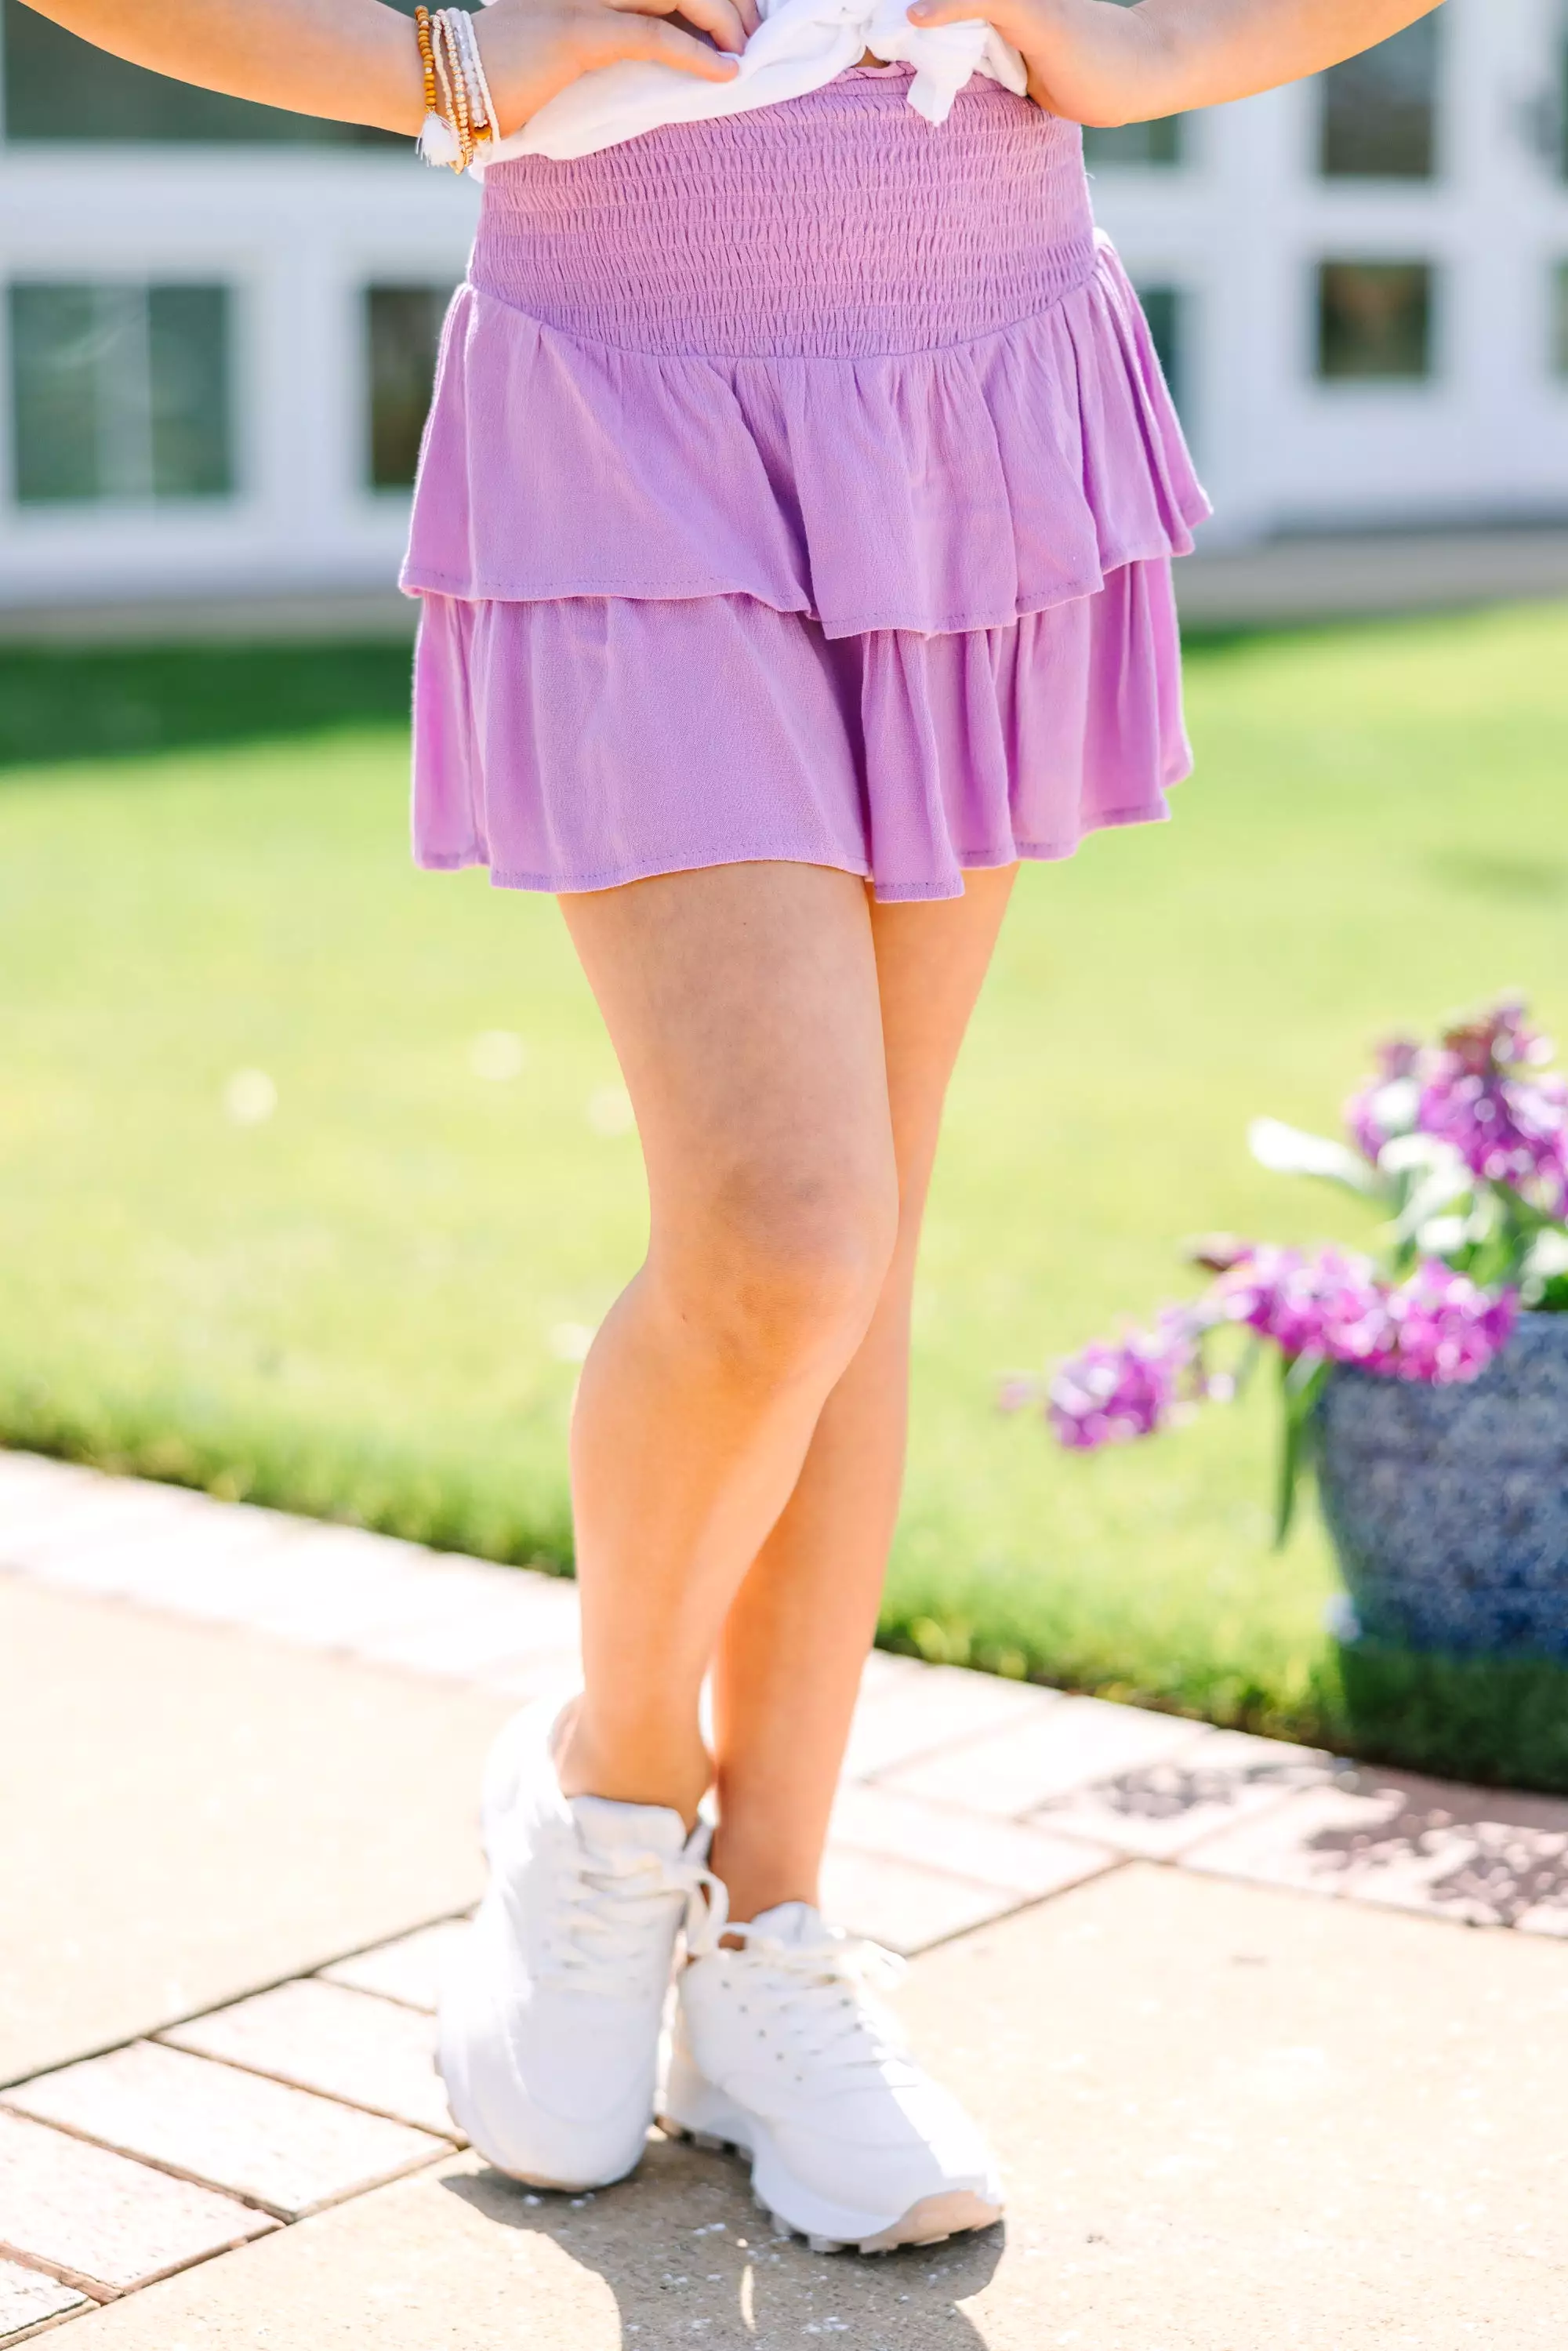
x,y
218,321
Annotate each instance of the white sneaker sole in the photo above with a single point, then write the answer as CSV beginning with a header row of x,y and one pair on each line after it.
x,y
708,2119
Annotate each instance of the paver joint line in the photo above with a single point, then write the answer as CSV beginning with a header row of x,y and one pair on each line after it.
x,y
243,2136
254,2072
158,2164
269,1983
285,2216
96,2294
103,2223
91,2287
332,2041
272,1983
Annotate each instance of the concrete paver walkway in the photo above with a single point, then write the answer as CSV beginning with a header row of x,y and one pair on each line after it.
x,y
187,1815
237,1760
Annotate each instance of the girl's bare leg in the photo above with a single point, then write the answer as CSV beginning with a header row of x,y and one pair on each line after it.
x,y
797,1634
743,1002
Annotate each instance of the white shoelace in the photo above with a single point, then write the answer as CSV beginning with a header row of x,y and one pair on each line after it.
x,y
609,1914
818,2000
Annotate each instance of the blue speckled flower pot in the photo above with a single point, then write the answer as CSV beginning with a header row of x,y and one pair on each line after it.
x,y
1448,1507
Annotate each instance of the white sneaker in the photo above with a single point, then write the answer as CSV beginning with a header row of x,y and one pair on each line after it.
x,y
552,2012
783,2050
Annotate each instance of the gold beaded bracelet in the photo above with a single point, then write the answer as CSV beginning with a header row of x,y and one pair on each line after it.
x,y
426,59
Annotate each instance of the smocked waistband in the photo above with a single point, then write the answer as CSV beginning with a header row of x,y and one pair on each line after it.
x,y
839,225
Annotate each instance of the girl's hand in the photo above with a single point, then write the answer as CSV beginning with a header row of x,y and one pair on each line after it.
x,y
531,48
1103,64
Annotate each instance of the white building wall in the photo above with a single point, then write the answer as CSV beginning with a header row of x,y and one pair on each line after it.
x,y
298,234
1240,228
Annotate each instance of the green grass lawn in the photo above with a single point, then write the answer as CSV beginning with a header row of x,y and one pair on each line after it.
x,y
362,1305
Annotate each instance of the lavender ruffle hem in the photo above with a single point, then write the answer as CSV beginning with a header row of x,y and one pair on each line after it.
x,y
802,485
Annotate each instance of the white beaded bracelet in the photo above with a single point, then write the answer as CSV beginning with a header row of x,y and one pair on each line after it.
x,y
482,105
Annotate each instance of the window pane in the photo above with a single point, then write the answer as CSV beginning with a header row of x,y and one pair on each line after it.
x,y
120,392
57,88
1161,143
79,365
1559,320
52,384
1379,110
403,330
1375,321
188,387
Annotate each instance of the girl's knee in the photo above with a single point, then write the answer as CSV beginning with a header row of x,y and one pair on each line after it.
x,y
784,1267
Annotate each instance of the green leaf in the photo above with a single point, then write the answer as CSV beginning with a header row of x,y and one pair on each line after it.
x,y
1529,1220
1302,1381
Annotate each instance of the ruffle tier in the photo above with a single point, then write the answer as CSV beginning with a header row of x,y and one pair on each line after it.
x,y
578,744
966,486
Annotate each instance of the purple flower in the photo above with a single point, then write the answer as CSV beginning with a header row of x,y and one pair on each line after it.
x,y
1443,1328
1485,1091
1119,1390
1368,1113
1438,1326
1329,1305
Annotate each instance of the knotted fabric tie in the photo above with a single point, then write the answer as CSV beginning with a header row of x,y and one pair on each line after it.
x,y
799,46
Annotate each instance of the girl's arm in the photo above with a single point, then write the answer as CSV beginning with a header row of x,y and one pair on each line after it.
x,y
357,61
1104,64
351,60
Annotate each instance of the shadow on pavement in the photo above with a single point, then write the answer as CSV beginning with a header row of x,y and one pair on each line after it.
x,y
689,2260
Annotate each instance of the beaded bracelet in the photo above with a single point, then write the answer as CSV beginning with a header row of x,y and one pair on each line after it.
x,y
454,90
426,57
480,105
460,113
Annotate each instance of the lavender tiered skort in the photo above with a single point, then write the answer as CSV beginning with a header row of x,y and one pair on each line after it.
x,y
800,484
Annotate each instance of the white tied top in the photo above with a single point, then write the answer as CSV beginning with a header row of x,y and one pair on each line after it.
x,y
799,46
